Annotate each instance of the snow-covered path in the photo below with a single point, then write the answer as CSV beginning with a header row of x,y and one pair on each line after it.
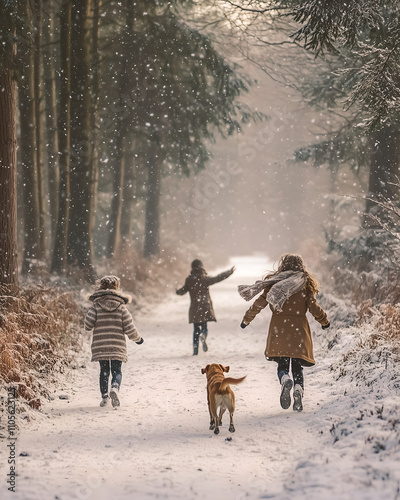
x,y
158,445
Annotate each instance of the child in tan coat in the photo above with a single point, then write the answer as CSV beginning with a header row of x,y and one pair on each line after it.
x,y
290,293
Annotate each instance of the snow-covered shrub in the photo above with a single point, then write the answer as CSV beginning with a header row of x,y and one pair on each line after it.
x,y
39,330
366,267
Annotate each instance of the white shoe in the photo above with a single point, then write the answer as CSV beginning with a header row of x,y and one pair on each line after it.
x,y
298,398
114,396
287,385
104,400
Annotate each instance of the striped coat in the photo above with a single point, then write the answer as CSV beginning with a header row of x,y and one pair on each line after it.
x,y
110,321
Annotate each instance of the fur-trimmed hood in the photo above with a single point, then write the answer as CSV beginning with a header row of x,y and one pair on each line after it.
x,y
109,300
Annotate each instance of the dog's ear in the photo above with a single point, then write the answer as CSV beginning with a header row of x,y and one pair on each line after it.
x,y
225,368
204,370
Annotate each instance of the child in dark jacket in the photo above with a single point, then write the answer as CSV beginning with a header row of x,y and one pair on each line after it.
x,y
110,321
201,307
290,293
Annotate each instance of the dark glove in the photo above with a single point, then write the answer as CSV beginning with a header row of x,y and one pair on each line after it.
x,y
324,327
140,341
243,324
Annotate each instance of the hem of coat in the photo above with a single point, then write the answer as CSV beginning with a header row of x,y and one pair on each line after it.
x,y
204,321
305,361
109,358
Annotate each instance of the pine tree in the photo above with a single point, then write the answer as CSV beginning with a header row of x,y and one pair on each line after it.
x,y
181,92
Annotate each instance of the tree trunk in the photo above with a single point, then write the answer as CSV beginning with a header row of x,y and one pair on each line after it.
x,y
128,197
37,57
116,204
50,93
80,247
8,157
384,170
152,224
59,260
95,127
122,125
30,191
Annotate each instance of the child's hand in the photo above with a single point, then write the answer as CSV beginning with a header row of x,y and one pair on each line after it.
x,y
140,341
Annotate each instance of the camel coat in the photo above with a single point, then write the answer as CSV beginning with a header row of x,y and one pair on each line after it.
x,y
201,307
289,332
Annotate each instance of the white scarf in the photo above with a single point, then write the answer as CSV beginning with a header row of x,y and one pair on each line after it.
x,y
284,285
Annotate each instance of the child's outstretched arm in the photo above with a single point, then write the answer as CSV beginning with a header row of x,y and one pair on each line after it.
x,y
254,309
211,280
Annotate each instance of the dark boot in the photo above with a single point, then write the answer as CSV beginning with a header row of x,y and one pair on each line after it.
x,y
286,384
298,398
203,337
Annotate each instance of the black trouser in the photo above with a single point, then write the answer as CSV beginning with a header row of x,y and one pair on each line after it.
x,y
116,374
199,329
297,369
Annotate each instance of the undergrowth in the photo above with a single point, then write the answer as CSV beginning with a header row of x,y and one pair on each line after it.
x,y
41,325
39,333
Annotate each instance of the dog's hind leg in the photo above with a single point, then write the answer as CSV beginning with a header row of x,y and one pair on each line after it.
x,y
231,409
221,412
214,416
231,426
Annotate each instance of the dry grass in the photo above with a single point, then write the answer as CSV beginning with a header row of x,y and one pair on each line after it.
x,y
39,327
385,321
360,287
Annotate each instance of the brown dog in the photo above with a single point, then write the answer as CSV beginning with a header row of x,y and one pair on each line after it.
x,y
220,395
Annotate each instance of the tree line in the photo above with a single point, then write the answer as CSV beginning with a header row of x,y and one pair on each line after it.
x,y
101,96
353,81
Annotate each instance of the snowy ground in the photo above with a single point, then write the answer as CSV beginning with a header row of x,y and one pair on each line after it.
x,y
344,445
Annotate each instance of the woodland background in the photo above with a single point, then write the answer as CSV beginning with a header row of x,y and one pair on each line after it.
x,y
111,115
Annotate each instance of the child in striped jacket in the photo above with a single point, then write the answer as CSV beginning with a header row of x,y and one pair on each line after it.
x,y
110,321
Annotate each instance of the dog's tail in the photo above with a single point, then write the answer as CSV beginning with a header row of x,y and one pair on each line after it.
x,y
229,380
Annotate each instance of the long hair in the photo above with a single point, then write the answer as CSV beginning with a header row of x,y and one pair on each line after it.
x,y
295,262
